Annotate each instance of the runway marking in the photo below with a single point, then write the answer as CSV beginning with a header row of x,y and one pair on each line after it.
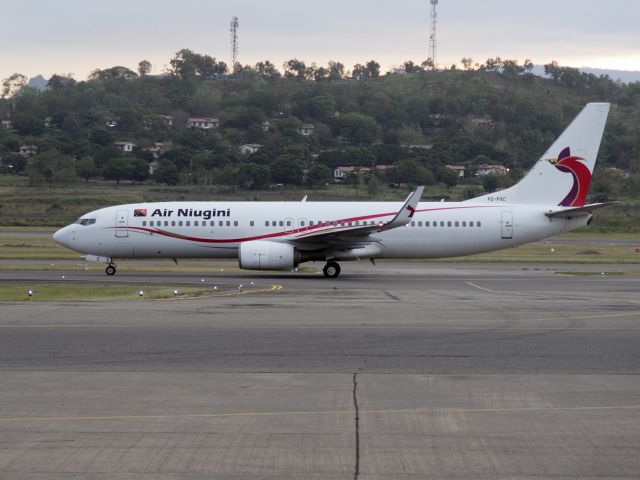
x,y
272,288
541,294
435,410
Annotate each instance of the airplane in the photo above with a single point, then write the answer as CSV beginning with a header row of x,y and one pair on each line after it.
x,y
548,200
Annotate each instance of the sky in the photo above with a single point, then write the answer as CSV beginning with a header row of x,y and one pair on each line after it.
x,y
78,36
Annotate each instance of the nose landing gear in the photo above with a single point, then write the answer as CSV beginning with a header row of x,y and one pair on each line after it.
x,y
331,270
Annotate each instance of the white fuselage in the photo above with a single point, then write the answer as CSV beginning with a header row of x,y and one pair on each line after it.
x,y
216,229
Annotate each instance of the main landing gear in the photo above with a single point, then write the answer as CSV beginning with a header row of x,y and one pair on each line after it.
x,y
110,270
331,270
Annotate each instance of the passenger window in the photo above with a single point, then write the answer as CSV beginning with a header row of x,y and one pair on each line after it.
x,y
471,224
311,223
151,223
281,223
413,224
173,223
448,224
195,223
426,224
302,223
464,224
274,223
212,223
220,223
419,224
228,223
442,224
188,223
288,223
457,224
144,223
235,223
251,223
479,224
180,223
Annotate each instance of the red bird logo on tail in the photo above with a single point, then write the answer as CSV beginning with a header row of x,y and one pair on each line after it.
x,y
581,177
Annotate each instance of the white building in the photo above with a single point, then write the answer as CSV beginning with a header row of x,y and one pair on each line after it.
x,y
486,169
250,148
306,130
203,123
28,150
126,147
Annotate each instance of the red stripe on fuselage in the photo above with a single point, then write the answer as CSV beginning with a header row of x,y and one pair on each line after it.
x,y
310,229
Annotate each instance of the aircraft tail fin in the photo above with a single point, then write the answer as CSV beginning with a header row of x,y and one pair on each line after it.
x,y
563,174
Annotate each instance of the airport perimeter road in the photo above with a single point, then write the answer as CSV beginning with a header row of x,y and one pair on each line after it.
x,y
407,374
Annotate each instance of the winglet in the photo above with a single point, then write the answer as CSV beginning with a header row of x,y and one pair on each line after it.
x,y
406,212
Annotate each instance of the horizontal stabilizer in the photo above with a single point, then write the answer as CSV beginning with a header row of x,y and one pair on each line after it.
x,y
572,212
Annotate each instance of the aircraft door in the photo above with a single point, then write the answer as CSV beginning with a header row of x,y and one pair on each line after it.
x,y
122,223
507,225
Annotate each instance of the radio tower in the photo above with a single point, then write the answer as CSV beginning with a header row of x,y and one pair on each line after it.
x,y
234,43
432,34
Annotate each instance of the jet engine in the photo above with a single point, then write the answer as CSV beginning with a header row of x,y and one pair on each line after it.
x,y
266,255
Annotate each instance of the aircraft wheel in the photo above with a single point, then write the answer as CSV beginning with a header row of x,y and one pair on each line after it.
x,y
110,270
331,270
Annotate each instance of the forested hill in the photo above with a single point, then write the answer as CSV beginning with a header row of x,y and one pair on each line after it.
x,y
303,126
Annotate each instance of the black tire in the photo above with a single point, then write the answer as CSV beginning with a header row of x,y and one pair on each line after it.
x,y
110,270
331,270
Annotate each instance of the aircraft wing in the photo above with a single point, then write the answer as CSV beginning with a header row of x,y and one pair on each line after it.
x,y
573,212
337,235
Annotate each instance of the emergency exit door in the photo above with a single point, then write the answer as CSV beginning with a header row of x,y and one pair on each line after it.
x,y
507,225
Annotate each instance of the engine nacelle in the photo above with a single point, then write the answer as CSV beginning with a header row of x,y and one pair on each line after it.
x,y
266,255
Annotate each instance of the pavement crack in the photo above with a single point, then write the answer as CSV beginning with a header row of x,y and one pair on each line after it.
x,y
392,296
356,469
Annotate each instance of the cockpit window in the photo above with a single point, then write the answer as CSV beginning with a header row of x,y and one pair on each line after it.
x,y
86,221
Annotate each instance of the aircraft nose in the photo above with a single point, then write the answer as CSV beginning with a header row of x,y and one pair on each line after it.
x,y
61,237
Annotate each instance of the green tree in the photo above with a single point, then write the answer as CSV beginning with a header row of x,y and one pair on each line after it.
x,y
53,167
448,177
166,172
86,168
117,169
467,63
373,69
319,175
13,84
359,72
144,68
267,70
286,169
253,176
410,171
139,170
336,71
360,129
490,183
295,68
